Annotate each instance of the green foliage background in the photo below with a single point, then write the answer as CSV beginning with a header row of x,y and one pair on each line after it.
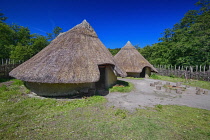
x,y
187,43
19,44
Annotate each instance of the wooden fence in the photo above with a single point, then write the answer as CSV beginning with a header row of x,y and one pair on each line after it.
x,y
7,65
188,72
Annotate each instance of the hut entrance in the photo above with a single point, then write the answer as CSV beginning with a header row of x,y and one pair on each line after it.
x,y
101,83
146,72
142,74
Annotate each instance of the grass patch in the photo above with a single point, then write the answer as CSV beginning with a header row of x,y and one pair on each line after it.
x,y
122,86
134,78
23,117
194,83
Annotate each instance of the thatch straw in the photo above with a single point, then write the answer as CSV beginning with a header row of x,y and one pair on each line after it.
x,y
72,57
131,60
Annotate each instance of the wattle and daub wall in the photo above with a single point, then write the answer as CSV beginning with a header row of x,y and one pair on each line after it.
x,y
62,89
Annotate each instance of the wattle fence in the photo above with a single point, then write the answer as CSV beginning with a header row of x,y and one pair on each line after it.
x,y
6,65
188,72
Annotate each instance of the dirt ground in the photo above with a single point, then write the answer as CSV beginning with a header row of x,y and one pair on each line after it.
x,y
146,96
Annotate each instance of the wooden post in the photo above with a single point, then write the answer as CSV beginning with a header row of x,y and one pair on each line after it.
x,y
169,72
196,72
186,74
191,72
209,73
204,68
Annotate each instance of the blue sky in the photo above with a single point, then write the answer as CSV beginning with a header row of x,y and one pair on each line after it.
x,y
115,21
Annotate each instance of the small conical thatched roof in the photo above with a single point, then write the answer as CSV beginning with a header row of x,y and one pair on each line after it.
x,y
72,57
131,60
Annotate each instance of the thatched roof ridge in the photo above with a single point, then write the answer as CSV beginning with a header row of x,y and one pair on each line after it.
x,y
131,60
72,57
128,45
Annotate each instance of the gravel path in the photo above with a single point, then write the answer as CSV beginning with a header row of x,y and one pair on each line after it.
x,y
146,96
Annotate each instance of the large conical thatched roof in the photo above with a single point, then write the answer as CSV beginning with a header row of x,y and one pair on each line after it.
x,y
72,57
131,60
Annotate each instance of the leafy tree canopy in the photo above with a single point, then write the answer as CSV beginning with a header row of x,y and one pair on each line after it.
x,y
187,43
18,43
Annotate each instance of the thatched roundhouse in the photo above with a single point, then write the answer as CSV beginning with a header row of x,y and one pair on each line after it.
x,y
74,62
133,62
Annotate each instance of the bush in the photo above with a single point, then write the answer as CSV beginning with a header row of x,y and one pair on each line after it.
x,y
154,76
122,86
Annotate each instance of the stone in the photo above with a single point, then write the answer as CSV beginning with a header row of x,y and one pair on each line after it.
x,y
187,86
197,88
152,84
178,84
178,91
198,93
156,83
158,87
205,92
168,83
168,90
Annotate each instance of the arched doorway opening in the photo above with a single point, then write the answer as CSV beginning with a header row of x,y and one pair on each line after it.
x,y
146,72
142,74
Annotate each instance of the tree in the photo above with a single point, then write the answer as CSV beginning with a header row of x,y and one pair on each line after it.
x,y
2,17
114,51
56,31
38,42
20,52
5,40
187,43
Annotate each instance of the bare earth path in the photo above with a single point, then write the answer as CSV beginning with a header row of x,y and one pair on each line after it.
x,y
146,96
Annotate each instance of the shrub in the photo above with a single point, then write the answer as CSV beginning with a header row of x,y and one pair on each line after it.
x,y
154,76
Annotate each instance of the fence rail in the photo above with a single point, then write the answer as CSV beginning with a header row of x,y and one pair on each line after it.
x,y
188,72
7,65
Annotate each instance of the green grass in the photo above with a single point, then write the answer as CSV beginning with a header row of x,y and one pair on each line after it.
x,y
122,86
195,83
134,78
28,118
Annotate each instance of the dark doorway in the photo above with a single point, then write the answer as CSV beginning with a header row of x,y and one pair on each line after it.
x,y
142,74
101,83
